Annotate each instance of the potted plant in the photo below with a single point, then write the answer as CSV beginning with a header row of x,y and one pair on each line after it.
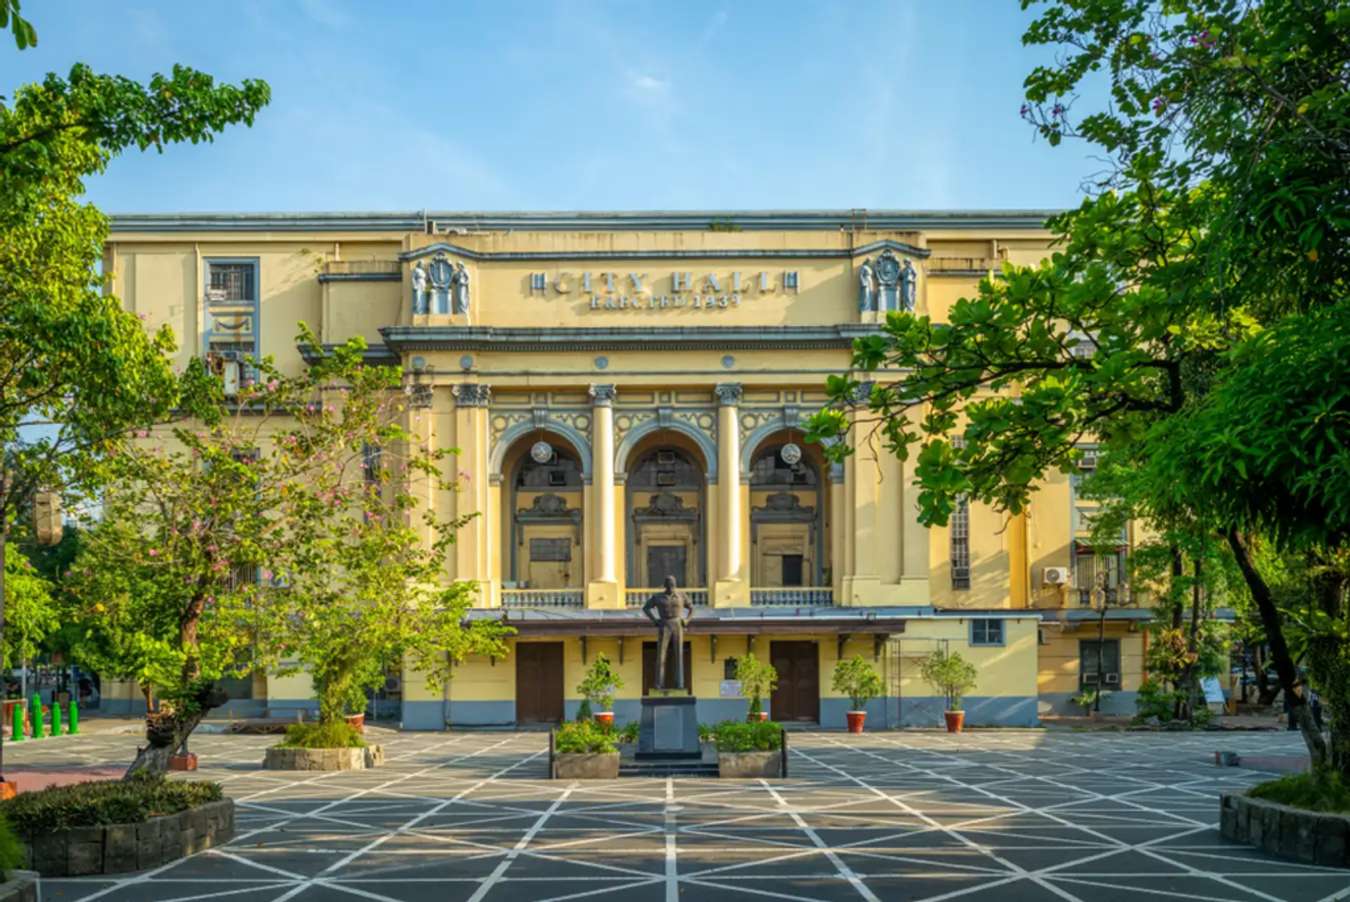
x,y
1086,699
757,680
584,750
860,682
751,749
953,676
597,690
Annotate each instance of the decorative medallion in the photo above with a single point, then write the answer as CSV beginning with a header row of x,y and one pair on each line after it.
x,y
541,452
791,453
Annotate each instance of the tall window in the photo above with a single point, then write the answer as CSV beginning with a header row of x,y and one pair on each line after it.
x,y
960,544
231,309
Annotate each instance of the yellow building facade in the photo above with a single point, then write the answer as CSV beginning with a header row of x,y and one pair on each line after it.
x,y
625,395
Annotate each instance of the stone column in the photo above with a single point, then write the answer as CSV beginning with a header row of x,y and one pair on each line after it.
x,y
730,588
603,590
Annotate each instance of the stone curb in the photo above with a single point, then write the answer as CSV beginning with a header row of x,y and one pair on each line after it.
x,y
277,758
22,886
117,848
1312,837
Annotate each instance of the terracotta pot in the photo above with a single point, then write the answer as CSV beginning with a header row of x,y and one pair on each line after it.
x,y
855,720
605,718
756,716
955,720
358,721
183,762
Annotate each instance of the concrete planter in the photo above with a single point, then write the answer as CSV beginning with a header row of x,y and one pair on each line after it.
x,y
583,766
22,886
117,848
742,765
1312,837
278,758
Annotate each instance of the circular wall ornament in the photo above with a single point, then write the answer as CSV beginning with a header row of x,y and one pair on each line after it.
x,y
728,362
419,363
466,362
541,452
601,362
790,453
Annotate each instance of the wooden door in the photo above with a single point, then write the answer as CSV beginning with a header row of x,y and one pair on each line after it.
x,y
539,682
797,697
649,668
666,560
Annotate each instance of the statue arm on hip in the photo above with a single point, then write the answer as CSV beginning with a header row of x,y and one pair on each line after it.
x,y
647,609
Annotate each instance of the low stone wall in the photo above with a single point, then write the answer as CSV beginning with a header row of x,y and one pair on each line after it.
x,y
749,764
578,766
1293,833
116,848
278,758
22,886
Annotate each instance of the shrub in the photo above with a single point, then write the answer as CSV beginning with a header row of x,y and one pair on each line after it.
x,y
757,680
11,848
584,710
754,736
335,735
705,733
628,732
94,804
583,737
950,674
1154,700
1086,699
1315,791
599,684
858,680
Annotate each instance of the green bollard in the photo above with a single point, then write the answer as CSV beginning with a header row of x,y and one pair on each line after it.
x,y
55,728
36,714
73,722
16,733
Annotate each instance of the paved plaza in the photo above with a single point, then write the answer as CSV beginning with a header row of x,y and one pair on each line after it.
x,y
1001,815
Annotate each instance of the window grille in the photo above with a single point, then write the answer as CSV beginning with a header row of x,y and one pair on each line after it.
x,y
986,632
960,544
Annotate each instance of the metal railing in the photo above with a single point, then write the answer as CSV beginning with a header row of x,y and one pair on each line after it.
x,y
1113,596
794,596
543,598
636,598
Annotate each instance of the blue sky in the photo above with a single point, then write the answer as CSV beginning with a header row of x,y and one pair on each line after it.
x,y
579,105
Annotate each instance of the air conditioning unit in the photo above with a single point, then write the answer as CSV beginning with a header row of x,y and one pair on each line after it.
x,y
1113,679
1055,576
1041,637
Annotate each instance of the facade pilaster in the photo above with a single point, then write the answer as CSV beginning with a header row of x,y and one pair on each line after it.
x,y
473,541
603,591
731,587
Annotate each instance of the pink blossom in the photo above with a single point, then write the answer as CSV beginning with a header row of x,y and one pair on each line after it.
x,y
273,385
154,552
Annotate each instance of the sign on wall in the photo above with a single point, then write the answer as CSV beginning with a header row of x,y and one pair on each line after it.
x,y
681,289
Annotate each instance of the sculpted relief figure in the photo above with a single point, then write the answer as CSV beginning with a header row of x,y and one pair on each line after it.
x,y
460,290
670,611
419,288
908,286
867,287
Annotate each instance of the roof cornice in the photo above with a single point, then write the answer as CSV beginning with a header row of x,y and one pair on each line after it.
x,y
597,221
654,338
805,253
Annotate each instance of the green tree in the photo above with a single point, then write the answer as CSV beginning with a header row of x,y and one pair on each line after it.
x,y
25,35
169,581
77,369
32,612
363,564
1192,319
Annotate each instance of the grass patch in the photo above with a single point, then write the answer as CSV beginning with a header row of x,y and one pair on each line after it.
x,y
1313,792
336,735
103,802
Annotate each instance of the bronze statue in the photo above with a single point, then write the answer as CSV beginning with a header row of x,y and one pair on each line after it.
x,y
672,613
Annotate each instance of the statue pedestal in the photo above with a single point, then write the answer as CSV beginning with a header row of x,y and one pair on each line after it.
x,y
668,727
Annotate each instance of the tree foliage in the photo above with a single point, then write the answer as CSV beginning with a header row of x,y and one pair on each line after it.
x,y
1191,319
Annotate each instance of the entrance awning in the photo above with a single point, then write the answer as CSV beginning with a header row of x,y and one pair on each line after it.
x,y
706,621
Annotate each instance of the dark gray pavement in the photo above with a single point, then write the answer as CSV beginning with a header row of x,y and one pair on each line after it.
x,y
1001,815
